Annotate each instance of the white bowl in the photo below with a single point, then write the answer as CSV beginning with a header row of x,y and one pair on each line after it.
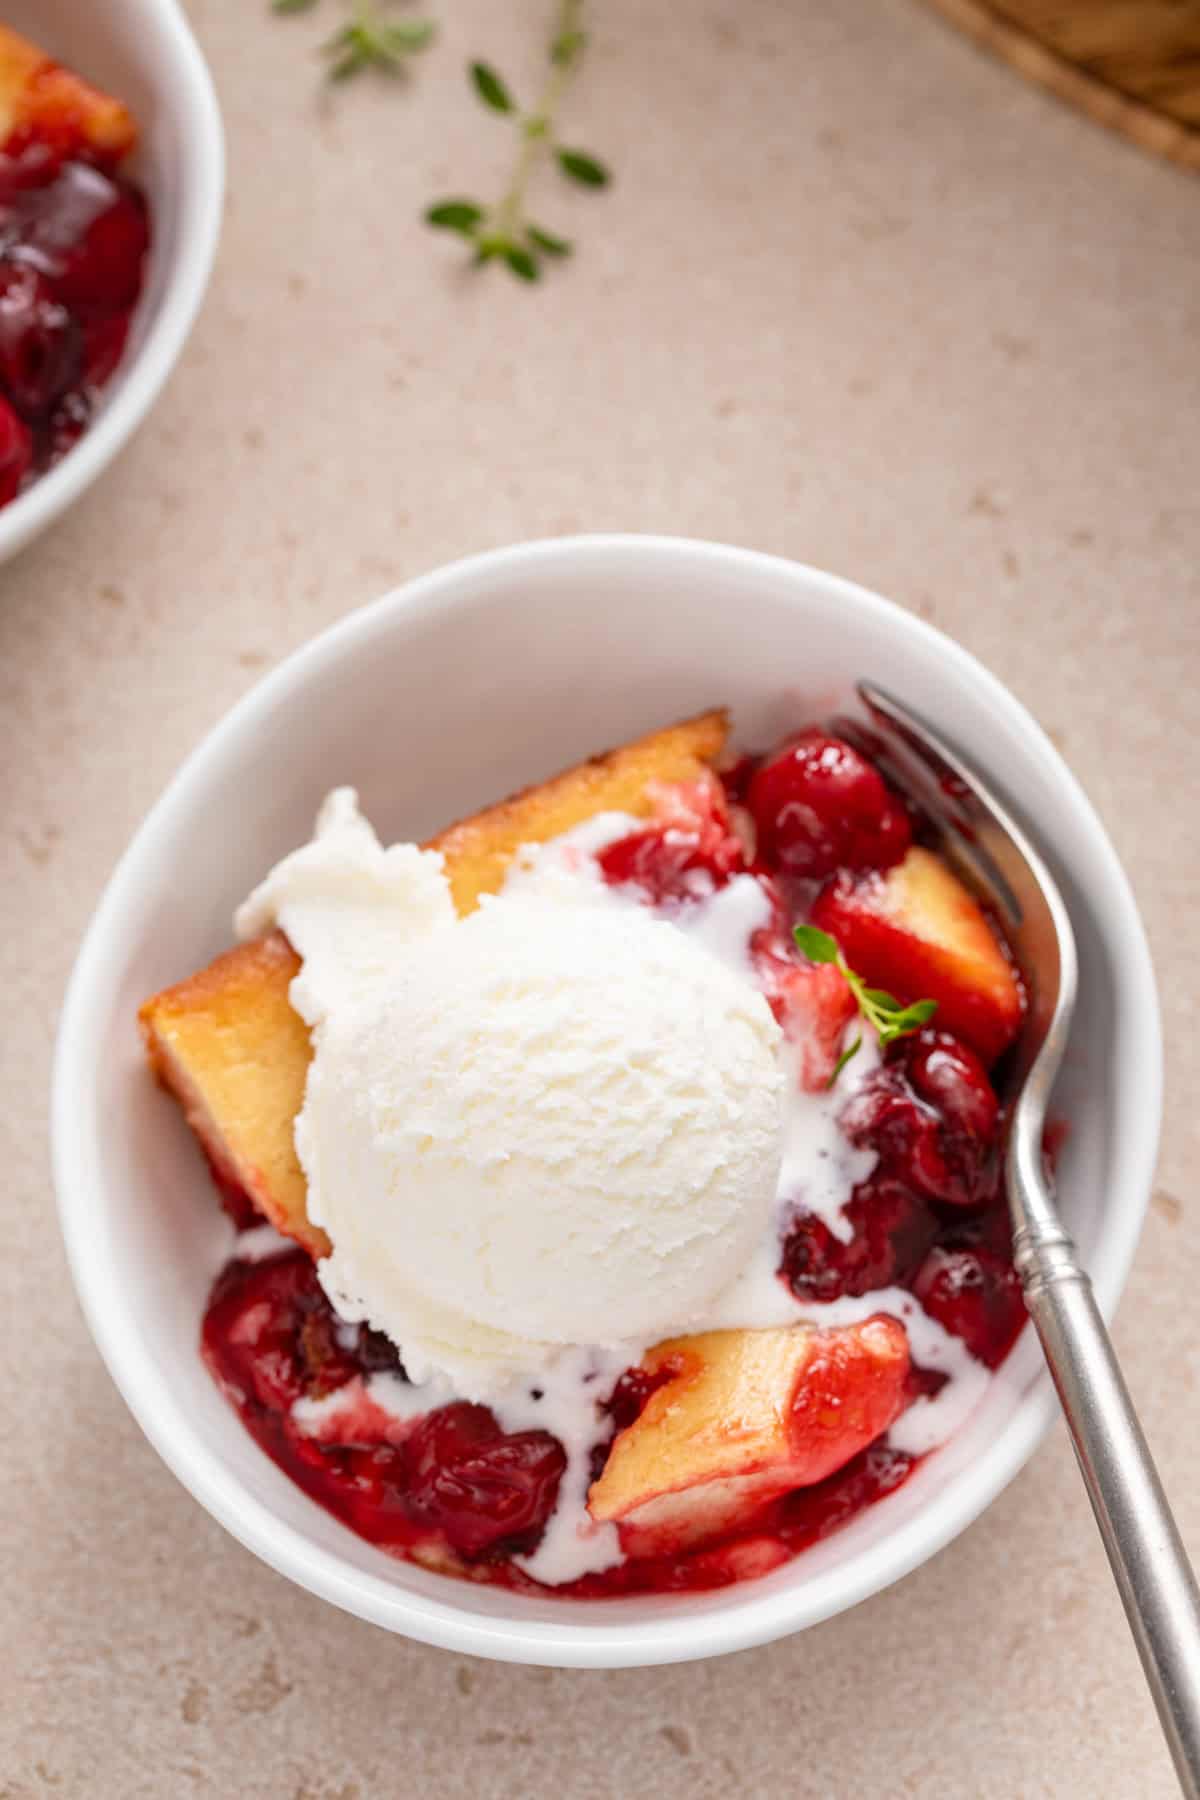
x,y
142,51
455,689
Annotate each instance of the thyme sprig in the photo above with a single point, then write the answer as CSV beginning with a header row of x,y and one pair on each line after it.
x,y
503,231
888,1017
368,40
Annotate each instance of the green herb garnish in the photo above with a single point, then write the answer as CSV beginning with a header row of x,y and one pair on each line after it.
x,y
491,89
370,41
882,1011
582,168
503,232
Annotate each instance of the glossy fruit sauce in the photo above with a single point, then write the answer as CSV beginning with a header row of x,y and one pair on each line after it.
x,y
73,243
451,1489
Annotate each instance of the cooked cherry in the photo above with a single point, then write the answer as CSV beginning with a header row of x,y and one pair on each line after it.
x,y
812,1513
23,169
819,806
671,865
627,1402
40,344
73,241
376,1354
931,1114
949,1075
893,1228
270,1334
482,1488
65,426
16,452
629,1397
976,1295
88,234
737,777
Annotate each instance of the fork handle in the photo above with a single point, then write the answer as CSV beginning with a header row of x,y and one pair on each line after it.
x,y
1155,1580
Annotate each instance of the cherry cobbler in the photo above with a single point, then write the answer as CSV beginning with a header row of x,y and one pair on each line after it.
x,y
442,1407
74,231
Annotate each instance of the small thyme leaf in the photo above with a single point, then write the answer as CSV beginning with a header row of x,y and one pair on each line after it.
x,y
817,945
462,216
372,42
882,1011
547,241
910,1018
582,168
345,63
490,88
521,263
291,6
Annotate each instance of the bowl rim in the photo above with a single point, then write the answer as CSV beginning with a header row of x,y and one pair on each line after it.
x,y
142,379
758,1615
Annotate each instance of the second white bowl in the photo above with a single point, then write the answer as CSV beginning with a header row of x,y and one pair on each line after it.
x,y
144,52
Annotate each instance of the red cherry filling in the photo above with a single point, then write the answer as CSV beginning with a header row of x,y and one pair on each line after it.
x,y
73,242
40,343
234,1198
893,1228
271,1338
270,1335
813,1005
16,452
932,1115
688,851
669,865
737,777
630,1396
88,233
103,346
26,167
812,1513
627,1402
818,806
480,1487
975,1293
925,1384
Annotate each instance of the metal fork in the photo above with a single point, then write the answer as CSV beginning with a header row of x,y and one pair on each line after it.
x,y
993,854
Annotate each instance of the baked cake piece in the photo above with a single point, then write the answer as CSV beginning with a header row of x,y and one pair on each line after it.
x,y
738,1418
227,1043
43,104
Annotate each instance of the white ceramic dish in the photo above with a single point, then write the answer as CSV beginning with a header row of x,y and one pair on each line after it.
x,y
143,51
455,689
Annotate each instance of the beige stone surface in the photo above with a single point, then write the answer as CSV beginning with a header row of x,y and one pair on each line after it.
x,y
857,296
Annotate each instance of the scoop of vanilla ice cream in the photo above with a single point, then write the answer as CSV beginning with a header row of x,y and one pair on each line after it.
x,y
348,905
547,1126
557,1122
